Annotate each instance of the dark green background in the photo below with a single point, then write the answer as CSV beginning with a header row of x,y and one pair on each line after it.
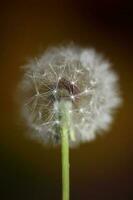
x,y
101,169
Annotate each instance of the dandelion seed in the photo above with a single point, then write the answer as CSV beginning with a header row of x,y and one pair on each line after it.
x,y
57,122
73,83
81,110
72,97
55,91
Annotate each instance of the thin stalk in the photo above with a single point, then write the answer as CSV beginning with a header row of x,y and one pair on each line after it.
x,y
66,132
65,164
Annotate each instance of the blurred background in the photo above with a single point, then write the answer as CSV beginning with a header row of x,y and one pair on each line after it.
x,y
101,169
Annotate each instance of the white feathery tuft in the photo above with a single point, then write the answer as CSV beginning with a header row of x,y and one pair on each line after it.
x,y
74,74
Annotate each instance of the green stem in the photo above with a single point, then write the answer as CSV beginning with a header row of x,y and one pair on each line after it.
x,y
65,164
65,128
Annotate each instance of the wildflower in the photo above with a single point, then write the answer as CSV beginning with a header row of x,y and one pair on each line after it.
x,y
71,74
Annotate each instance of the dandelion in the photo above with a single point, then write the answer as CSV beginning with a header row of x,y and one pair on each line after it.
x,y
68,96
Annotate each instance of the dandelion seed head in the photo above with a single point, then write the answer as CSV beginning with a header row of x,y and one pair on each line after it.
x,y
73,74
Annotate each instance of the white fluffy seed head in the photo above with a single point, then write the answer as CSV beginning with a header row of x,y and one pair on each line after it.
x,y
73,74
